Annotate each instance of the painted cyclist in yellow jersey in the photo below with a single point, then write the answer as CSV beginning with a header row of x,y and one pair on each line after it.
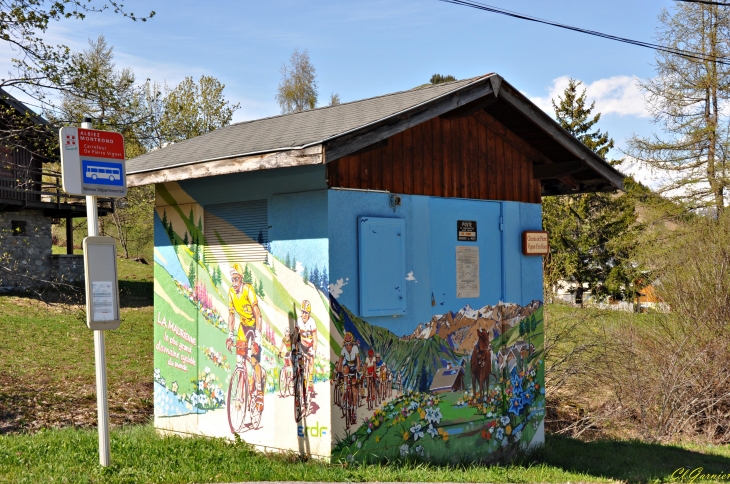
x,y
242,301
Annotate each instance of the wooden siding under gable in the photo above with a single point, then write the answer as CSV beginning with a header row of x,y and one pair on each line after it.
x,y
474,157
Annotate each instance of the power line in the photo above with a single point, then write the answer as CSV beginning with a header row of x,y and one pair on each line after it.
x,y
706,2
649,45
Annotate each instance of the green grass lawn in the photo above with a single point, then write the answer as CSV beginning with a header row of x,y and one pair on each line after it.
x,y
47,373
140,455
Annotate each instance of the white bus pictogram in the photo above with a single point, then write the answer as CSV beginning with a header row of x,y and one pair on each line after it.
x,y
97,172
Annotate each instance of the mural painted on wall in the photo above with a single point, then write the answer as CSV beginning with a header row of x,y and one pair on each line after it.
x,y
240,347
464,386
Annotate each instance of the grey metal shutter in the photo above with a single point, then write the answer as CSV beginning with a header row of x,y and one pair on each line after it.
x,y
236,232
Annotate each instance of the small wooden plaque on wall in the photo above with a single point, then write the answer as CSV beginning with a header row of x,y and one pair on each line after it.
x,y
535,242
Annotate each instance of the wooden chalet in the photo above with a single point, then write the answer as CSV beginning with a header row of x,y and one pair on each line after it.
x,y
31,200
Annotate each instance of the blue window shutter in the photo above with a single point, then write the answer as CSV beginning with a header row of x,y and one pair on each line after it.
x,y
382,248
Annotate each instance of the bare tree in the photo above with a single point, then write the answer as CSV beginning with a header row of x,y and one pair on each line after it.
x,y
298,86
686,99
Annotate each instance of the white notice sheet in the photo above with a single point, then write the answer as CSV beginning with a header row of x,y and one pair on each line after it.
x,y
467,271
102,304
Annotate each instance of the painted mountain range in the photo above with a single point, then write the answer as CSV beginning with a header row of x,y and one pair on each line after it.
x,y
417,361
447,338
459,330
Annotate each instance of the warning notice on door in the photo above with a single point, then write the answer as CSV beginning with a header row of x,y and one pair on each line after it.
x,y
467,271
466,230
101,301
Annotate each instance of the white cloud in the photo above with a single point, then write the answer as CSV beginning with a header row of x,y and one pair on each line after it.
x,y
298,268
411,277
619,95
336,288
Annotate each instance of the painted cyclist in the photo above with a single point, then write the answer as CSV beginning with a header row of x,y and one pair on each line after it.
x,y
242,302
308,339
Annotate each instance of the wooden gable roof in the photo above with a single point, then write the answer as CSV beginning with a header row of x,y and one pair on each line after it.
x,y
476,138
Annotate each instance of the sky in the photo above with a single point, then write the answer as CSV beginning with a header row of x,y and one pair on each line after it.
x,y
373,47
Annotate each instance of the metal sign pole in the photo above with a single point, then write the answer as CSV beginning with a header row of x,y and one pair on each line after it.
x,y
102,405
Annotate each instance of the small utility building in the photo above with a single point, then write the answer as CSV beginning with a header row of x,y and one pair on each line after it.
x,y
403,224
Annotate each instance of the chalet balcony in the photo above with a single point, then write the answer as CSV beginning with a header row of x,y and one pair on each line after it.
x,y
28,187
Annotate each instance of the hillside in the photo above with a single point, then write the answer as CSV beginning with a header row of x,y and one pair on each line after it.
x,y
417,360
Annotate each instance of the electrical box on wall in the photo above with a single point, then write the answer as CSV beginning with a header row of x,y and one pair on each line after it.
x,y
382,251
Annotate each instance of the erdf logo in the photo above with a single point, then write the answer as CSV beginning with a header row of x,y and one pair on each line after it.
x,y
316,431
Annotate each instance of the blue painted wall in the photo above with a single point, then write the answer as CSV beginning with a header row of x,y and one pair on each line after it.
x,y
431,242
297,207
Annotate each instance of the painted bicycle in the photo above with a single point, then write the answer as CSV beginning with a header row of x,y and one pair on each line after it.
x,y
246,390
349,397
299,383
286,377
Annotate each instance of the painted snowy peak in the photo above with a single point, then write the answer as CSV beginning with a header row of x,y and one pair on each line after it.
x,y
460,329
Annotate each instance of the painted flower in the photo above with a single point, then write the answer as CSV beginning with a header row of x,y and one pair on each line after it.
x,y
417,432
500,433
404,450
432,431
354,438
508,429
504,420
201,386
516,405
377,439
359,444
207,370
406,435
157,374
163,382
419,450
174,387
413,405
433,415
370,430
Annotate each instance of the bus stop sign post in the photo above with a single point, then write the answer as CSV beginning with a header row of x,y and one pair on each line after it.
x,y
92,164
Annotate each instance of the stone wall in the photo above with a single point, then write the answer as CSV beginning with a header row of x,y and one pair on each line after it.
x,y
67,267
25,253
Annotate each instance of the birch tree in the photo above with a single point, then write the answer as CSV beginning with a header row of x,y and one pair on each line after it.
x,y
298,86
688,100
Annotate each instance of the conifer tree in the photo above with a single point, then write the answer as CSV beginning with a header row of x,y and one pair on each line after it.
x,y
305,275
314,277
324,282
185,239
191,273
247,277
589,234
